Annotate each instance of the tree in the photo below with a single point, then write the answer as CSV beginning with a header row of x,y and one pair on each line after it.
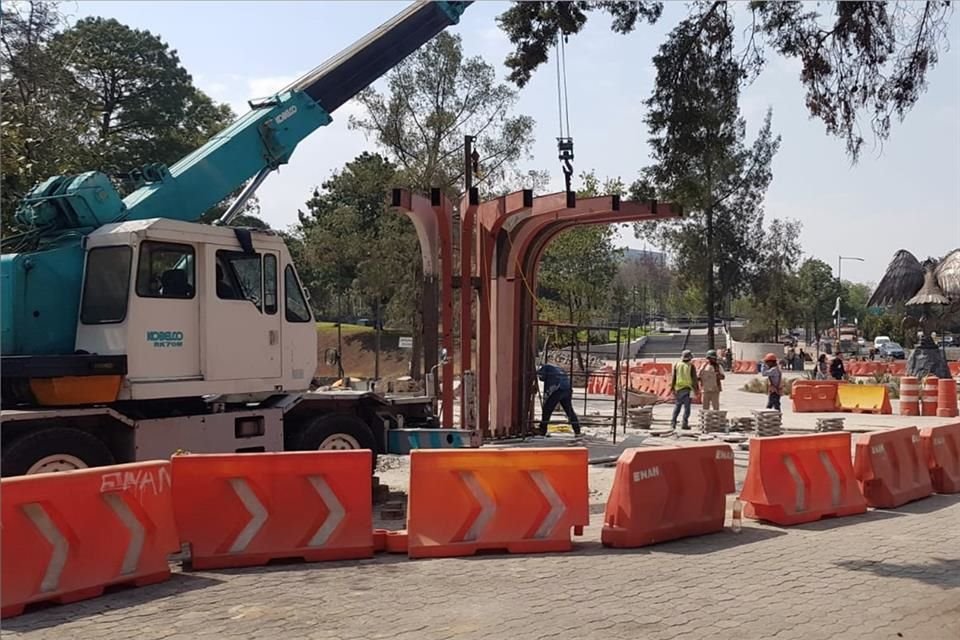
x,y
96,96
434,98
578,266
776,288
818,291
702,162
869,60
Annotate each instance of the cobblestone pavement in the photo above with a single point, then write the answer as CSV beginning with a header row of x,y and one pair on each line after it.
x,y
886,574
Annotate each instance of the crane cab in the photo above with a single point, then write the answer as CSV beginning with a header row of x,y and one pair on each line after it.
x,y
197,310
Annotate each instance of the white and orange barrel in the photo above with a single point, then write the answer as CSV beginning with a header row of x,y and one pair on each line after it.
x,y
928,398
909,396
947,398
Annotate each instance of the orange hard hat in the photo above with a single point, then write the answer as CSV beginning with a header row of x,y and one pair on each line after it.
x,y
770,358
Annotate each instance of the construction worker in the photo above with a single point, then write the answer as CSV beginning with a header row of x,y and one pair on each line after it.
x,y
771,371
684,384
837,372
710,376
556,390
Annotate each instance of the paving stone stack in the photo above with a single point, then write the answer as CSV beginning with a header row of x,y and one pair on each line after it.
x,y
713,421
745,424
769,423
829,424
641,417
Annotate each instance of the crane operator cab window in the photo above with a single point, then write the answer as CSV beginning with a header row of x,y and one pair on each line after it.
x,y
106,285
240,277
166,270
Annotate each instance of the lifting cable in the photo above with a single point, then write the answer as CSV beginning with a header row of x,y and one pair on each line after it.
x,y
565,141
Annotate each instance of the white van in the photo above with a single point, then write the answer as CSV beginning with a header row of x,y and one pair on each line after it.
x,y
879,340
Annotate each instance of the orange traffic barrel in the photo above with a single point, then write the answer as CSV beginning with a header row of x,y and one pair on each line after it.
x,y
947,398
931,389
909,396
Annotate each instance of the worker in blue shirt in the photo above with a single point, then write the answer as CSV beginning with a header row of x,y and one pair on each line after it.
x,y
556,390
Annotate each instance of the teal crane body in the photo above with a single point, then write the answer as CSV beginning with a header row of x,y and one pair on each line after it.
x,y
40,287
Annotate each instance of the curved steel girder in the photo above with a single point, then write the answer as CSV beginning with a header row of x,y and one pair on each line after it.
x,y
532,239
418,208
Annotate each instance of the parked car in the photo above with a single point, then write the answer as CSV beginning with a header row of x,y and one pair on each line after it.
x,y
893,350
879,340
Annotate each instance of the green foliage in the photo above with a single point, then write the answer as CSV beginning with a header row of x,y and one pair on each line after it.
x,y
818,291
775,290
703,163
96,96
862,61
433,99
579,265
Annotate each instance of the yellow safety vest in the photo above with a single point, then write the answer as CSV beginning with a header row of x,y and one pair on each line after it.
x,y
683,375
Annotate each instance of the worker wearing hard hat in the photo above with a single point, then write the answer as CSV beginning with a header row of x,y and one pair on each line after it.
x,y
710,376
771,371
683,383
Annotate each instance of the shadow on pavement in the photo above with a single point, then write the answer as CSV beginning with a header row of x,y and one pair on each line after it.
x,y
943,573
927,505
43,615
845,521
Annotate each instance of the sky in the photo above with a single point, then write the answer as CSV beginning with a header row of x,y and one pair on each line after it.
x,y
904,193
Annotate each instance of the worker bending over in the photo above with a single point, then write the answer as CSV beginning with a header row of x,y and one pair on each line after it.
x,y
556,390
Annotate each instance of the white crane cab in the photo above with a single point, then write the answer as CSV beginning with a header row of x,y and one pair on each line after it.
x,y
197,310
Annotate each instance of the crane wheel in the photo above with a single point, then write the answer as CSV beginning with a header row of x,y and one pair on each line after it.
x,y
53,449
338,432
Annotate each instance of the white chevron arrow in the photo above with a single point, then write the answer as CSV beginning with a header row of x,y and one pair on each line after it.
x,y
335,512
258,514
488,507
137,532
61,547
557,505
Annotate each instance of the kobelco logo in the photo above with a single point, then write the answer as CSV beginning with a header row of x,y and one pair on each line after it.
x,y
164,339
286,114
646,474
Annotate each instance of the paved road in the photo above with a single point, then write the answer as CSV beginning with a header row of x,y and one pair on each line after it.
x,y
886,574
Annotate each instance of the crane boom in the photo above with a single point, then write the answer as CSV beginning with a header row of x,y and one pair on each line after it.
x,y
39,312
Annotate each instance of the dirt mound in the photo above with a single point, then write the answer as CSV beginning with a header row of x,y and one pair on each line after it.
x,y
359,352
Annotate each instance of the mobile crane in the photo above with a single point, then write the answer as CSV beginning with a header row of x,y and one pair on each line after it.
x,y
130,331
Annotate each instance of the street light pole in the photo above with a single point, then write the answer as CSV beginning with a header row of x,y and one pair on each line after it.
x,y
840,260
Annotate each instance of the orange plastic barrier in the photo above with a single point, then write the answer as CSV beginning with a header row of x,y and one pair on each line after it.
x,y
601,382
813,396
909,396
947,398
67,536
516,500
897,369
656,368
796,479
890,468
954,368
238,510
864,398
941,450
928,399
664,493
744,366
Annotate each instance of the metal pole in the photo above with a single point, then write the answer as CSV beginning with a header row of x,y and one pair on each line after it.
x,y
586,367
376,353
616,381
